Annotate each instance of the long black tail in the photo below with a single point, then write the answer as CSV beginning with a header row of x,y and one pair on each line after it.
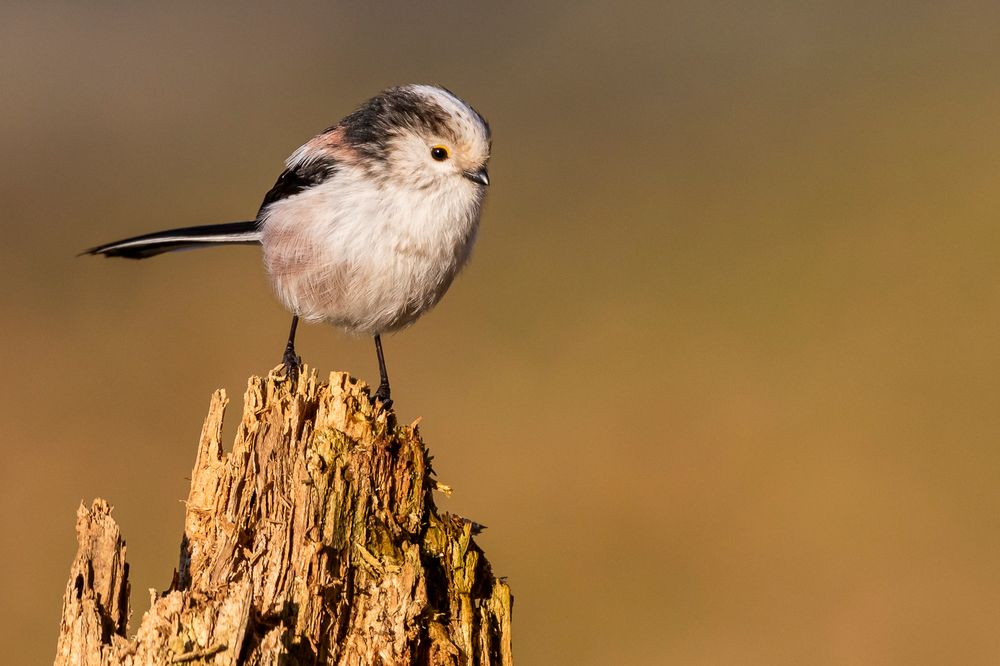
x,y
150,245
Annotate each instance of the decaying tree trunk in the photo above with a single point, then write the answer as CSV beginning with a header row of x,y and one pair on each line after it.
x,y
314,541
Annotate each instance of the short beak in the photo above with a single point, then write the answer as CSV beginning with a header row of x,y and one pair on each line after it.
x,y
481,176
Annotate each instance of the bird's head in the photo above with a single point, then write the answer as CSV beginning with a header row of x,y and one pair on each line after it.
x,y
422,136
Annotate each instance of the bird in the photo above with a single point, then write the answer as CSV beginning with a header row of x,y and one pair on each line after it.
x,y
370,221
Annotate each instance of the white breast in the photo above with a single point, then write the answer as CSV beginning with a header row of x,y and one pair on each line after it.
x,y
367,258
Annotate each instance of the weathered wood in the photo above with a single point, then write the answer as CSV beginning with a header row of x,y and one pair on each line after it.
x,y
314,541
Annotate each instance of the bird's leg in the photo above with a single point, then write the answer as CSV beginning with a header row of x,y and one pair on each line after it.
x,y
290,359
383,387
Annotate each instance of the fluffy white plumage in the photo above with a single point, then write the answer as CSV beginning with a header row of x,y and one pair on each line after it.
x,y
366,257
377,244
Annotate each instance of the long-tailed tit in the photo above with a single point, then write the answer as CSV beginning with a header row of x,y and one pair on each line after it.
x,y
370,221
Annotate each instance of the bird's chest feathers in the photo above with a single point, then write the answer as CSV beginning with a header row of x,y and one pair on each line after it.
x,y
425,225
351,244
395,228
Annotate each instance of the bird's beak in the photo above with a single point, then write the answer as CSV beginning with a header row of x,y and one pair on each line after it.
x,y
481,176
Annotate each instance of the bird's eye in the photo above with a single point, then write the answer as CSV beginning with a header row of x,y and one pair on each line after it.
x,y
440,153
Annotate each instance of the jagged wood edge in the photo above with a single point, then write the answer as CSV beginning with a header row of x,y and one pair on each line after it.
x,y
96,602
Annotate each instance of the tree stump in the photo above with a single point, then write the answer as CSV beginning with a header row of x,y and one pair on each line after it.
x,y
314,541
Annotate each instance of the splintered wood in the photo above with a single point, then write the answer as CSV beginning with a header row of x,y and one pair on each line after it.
x,y
314,541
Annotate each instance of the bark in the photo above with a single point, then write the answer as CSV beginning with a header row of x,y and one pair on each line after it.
x,y
314,541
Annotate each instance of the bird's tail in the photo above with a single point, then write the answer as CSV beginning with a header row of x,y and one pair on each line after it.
x,y
150,245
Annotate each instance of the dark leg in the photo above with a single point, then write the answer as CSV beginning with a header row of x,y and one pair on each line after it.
x,y
290,359
383,386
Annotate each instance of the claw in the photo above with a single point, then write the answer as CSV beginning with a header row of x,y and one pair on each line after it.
x,y
382,395
292,364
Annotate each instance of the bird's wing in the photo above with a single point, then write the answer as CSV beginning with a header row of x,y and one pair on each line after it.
x,y
310,165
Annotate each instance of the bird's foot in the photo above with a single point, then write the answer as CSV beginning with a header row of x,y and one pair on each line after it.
x,y
293,362
382,395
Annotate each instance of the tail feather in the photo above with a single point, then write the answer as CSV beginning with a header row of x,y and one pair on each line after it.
x,y
150,245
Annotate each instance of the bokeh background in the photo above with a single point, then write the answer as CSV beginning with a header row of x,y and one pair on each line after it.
x,y
722,379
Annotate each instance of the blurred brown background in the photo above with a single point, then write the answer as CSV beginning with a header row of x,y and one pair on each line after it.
x,y
722,378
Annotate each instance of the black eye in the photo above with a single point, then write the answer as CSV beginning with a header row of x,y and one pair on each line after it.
x,y
440,153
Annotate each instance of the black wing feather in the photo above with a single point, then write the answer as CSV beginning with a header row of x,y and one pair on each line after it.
x,y
294,180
